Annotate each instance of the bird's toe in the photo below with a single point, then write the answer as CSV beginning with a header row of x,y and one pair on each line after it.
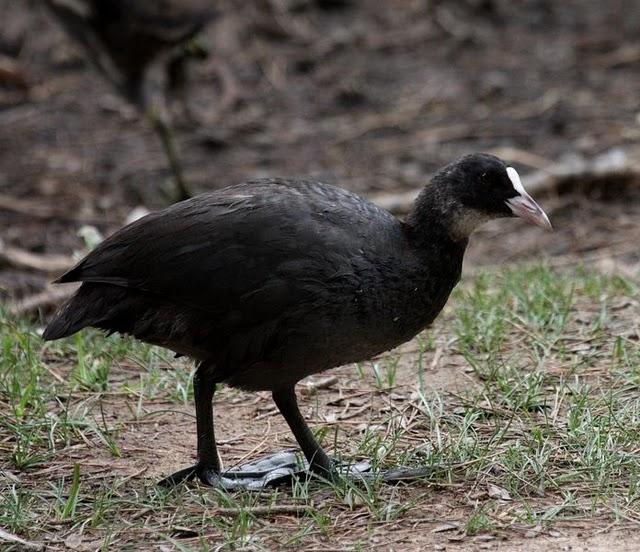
x,y
210,477
186,474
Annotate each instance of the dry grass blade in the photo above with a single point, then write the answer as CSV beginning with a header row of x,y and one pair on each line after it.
x,y
14,539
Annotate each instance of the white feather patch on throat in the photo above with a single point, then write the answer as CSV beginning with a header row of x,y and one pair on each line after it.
x,y
467,220
515,180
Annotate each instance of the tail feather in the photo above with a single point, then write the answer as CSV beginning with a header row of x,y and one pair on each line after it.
x,y
91,305
62,326
147,317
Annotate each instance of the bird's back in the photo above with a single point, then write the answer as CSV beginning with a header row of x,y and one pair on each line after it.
x,y
131,32
136,31
296,274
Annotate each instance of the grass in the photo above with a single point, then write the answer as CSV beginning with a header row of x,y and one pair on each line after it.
x,y
534,426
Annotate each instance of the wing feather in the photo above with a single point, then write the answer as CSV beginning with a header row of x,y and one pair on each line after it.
x,y
244,254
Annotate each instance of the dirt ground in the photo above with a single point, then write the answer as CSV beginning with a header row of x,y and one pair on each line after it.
x,y
150,448
373,96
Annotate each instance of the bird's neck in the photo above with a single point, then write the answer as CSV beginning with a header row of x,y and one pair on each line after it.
x,y
436,216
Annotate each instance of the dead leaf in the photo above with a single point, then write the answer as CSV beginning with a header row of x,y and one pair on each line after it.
x,y
352,499
15,539
349,401
497,492
533,532
444,527
74,541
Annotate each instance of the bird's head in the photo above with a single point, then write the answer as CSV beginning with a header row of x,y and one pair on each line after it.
x,y
475,189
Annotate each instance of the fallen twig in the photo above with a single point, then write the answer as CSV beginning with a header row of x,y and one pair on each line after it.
x,y
21,258
398,118
625,55
8,537
40,210
312,387
25,207
612,164
11,73
282,509
517,155
48,298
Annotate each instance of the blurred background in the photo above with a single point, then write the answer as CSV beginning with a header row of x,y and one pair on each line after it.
x,y
372,96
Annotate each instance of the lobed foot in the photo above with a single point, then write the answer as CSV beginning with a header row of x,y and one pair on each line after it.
x,y
271,471
282,468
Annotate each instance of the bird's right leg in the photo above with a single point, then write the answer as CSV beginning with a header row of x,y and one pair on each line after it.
x,y
164,130
319,462
207,468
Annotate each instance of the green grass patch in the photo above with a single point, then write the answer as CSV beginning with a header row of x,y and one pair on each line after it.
x,y
539,426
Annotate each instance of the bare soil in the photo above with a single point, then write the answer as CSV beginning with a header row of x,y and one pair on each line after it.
x,y
373,96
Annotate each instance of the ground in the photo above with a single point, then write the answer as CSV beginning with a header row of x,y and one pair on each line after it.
x,y
522,397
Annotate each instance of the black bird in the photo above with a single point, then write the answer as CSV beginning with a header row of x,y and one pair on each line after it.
x,y
269,281
123,37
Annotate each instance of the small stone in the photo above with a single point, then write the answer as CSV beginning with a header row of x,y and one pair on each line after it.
x,y
533,533
73,541
497,492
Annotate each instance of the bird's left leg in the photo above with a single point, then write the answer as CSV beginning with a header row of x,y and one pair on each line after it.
x,y
207,467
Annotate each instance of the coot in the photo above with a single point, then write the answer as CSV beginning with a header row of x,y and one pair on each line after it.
x,y
269,281
123,37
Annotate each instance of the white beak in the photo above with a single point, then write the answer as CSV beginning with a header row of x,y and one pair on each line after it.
x,y
524,206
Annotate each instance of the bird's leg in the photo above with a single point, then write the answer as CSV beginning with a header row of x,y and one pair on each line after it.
x,y
177,76
75,23
164,131
287,403
207,468
270,471
204,387
176,92
319,462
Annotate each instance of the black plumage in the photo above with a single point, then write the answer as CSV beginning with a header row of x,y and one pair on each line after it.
x,y
267,282
123,37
